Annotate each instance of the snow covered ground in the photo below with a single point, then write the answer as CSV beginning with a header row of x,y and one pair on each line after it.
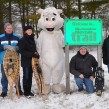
x,y
76,100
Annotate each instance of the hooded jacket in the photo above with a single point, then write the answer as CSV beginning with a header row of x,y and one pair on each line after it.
x,y
83,64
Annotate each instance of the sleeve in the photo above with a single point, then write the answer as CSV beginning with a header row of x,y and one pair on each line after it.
x,y
1,46
17,35
18,38
104,51
73,67
104,48
23,51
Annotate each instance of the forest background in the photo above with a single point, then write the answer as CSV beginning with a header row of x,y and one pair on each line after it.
x,y
24,12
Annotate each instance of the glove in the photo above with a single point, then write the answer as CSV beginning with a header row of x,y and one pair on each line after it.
x,y
9,47
36,55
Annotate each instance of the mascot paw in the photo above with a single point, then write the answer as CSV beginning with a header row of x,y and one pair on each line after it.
x,y
58,88
48,88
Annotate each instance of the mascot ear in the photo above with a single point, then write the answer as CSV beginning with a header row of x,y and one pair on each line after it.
x,y
59,11
40,11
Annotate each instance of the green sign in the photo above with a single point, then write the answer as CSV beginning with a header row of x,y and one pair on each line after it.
x,y
83,31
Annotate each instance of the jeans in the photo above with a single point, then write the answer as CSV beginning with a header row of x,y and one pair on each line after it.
x,y
87,82
27,79
4,81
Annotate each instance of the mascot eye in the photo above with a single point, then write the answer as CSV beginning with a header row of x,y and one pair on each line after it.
x,y
46,19
53,19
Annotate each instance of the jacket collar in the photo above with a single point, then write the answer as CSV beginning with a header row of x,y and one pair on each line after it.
x,y
9,36
31,37
82,56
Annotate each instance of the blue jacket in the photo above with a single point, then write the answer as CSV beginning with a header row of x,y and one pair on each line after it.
x,y
6,39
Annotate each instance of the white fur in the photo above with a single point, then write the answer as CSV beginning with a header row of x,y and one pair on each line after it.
x,y
48,13
50,46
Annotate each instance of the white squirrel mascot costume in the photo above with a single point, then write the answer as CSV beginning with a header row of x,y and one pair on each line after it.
x,y
50,47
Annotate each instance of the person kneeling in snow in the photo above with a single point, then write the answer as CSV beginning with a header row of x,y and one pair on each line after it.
x,y
81,67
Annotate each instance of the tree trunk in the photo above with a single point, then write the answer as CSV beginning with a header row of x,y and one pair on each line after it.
x,y
10,18
1,21
23,15
79,8
68,8
55,3
42,4
27,20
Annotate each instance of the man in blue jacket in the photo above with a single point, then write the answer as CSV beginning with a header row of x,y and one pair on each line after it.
x,y
8,41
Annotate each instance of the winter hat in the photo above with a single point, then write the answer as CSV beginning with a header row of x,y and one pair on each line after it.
x,y
83,47
27,27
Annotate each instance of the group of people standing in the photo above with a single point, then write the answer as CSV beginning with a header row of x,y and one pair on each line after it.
x,y
27,48
83,65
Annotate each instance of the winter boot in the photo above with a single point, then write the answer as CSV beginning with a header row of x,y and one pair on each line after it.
x,y
26,90
31,94
58,88
29,90
3,94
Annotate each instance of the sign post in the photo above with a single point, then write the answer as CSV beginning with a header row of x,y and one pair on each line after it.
x,y
81,32
67,69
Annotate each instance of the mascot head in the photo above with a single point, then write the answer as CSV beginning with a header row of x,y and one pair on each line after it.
x,y
50,19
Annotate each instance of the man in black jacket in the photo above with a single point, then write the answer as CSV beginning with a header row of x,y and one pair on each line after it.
x,y
105,50
83,66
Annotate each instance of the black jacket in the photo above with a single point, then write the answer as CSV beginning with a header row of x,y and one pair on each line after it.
x,y
27,48
105,50
85,65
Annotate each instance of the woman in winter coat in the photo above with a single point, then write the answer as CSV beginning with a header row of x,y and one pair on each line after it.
x,y
83,66
27,48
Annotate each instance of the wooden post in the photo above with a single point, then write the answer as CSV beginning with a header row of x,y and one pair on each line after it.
x,y
99,56
67,69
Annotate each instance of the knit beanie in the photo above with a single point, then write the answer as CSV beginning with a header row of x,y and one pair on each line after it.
x,y
83,47
27,27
